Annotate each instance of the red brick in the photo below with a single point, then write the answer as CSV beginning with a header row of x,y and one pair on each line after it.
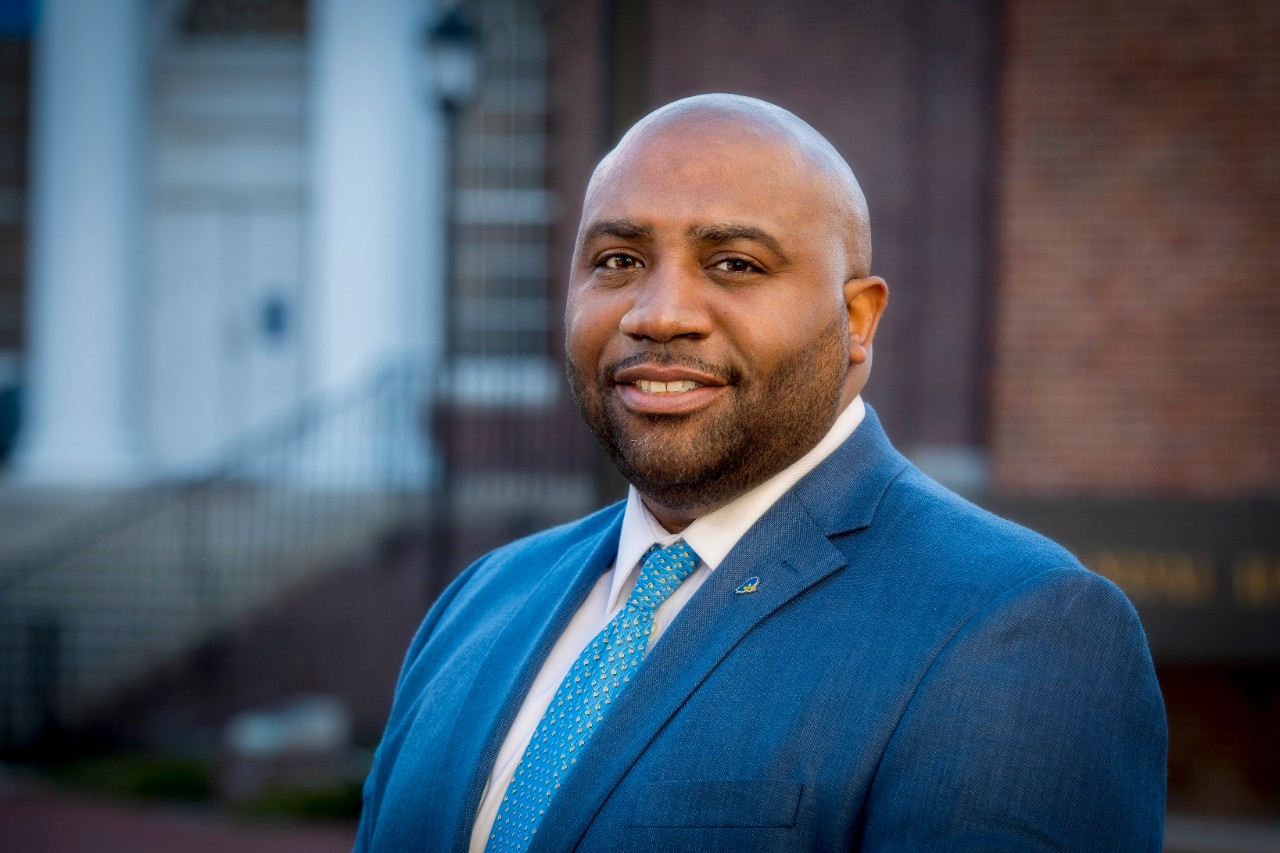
x,y
1139,206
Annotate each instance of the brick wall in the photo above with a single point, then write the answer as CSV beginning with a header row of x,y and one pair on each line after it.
x,y
1138,307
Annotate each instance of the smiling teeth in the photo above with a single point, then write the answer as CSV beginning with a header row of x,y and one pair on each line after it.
x,y
676,387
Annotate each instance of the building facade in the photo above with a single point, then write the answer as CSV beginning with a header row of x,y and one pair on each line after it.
x,y
235,207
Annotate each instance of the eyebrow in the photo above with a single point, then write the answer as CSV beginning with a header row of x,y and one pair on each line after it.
x,y
726,232
716,232
625,229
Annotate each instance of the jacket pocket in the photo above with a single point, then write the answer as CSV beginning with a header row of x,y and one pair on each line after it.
x,y
719,802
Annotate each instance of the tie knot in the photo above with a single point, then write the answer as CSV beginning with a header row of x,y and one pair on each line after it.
x,y
662,572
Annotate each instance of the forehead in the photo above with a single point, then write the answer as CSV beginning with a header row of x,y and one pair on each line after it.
x,y
689,175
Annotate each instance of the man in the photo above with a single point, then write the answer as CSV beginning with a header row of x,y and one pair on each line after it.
x,y
826,650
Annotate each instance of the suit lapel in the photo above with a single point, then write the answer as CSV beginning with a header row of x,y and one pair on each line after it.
x,y
504,678
789,550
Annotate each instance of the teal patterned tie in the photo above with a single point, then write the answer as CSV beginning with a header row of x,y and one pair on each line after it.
x,y
600,673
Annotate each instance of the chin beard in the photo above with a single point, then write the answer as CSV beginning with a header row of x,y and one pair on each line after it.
x,y
691,464
703,476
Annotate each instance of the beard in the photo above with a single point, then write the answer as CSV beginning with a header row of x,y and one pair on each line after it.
x,y
695,463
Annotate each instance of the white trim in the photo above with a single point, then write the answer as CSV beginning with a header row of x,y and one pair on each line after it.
x,y
497,381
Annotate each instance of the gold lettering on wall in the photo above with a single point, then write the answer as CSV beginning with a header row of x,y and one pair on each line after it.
x,y
1255,581
1158,577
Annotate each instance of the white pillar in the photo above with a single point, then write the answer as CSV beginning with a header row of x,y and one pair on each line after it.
x,y
87,196
377,220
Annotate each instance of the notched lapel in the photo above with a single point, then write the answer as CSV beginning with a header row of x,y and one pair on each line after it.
x,y
509,670
789,554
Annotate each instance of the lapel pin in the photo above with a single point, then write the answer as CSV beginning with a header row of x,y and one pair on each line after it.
x,y
751,585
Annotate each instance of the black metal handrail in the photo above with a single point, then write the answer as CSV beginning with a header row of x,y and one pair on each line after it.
x,y
117,591
280,433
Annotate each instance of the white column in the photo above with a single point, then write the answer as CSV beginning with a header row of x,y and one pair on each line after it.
x,y
87,197
377,221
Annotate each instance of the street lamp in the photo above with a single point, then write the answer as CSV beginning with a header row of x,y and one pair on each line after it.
x,y
450,62
452,57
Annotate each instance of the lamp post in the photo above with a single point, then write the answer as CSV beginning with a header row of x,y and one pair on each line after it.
x,y
451,66
453,52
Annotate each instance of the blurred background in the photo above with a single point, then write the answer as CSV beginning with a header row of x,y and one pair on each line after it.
x,y
280,347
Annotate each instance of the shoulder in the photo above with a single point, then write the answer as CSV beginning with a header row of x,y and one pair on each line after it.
x,y
937,562
545,545
505,576
495,585
886,514
919,517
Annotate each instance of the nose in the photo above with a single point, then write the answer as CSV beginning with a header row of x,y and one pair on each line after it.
x,y
669,304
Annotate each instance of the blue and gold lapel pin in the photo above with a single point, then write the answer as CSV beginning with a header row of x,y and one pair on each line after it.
x,y
750,585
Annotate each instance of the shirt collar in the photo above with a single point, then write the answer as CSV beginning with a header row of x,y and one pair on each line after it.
x,y
713,535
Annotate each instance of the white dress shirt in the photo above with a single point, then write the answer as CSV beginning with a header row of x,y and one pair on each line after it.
x,y
711,537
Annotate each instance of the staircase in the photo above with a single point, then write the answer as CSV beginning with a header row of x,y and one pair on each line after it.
x,y
100,591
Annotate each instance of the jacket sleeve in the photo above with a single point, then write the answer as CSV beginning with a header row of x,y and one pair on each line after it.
x,y
384,758
1039,726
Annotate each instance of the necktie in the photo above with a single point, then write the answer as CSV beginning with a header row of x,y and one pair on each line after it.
x,y
584,697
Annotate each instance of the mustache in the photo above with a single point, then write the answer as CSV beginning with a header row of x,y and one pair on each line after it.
x,y
728,374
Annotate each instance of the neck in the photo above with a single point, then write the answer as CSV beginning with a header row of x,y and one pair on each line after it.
x,y
671,521
676,507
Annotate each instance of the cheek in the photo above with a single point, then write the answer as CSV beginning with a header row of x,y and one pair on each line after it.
x,y
772,324
589,323
785,330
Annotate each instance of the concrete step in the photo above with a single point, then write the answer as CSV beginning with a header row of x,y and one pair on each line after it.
x,y
74,632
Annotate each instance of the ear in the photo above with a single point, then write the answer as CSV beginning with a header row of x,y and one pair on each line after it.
x,y
864,298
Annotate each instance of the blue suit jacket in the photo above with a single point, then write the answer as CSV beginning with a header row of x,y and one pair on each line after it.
x,y
912,674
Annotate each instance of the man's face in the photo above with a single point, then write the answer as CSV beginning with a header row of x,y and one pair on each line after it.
x,y
707,331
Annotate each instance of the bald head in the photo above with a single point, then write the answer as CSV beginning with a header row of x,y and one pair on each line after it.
x,y
707,123
720,313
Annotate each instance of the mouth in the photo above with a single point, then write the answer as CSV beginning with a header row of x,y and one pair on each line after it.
x,y
666,389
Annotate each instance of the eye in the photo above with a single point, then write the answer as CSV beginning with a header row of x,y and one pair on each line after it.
x,y
619,261
736,265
